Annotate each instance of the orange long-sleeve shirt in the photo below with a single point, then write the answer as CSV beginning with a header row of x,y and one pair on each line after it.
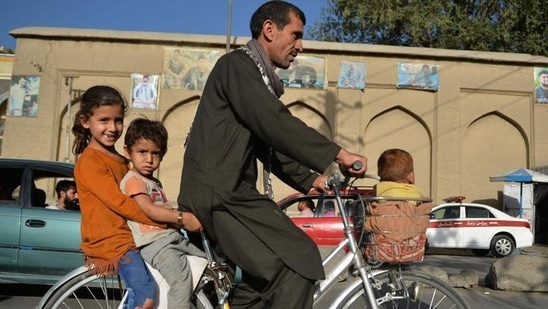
x,y
104,230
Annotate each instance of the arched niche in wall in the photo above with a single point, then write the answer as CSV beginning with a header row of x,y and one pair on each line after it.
x,y
177,120
492,145
397,127
312,117
65,138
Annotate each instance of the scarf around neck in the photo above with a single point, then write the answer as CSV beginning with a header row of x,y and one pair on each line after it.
x,y
254,49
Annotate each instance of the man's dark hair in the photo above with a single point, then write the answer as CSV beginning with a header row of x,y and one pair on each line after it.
x,y
64,186
151,130
544,71
277,12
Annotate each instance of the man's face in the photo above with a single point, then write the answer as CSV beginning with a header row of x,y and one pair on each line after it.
x,y
70,197
286,43
543,79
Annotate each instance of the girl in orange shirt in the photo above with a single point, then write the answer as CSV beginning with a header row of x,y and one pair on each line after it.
x,y
107,241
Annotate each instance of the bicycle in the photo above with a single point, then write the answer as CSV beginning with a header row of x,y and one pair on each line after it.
x,y
369,285
82,289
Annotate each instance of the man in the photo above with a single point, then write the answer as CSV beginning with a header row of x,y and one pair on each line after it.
x,y
67,196
144,94
18,93
239,120
541,92
196,77
306,208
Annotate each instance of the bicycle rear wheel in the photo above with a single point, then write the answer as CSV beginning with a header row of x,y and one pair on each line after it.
x,y
81,289
413,290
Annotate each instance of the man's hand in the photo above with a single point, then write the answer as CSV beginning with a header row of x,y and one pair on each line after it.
x,y
191,223
320,184
346,159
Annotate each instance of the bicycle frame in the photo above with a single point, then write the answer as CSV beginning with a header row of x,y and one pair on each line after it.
x,y
352,257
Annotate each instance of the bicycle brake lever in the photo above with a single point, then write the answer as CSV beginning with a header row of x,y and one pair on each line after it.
x,y
355,166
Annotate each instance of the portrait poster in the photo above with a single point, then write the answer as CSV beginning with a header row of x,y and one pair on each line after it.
x,y
351,75
144,91
541,85
188,68
23,100
418,76
304,72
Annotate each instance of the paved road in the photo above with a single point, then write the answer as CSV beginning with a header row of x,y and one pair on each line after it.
x,y
26,297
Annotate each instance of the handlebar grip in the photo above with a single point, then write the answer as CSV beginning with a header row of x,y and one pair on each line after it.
x,y
357,165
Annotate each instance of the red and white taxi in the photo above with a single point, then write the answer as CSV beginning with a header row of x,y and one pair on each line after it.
x,y
478,227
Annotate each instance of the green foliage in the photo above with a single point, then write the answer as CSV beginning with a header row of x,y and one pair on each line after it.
x,y
484,25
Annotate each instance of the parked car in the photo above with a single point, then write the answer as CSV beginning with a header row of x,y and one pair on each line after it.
x,y
323,228
478,227
37,245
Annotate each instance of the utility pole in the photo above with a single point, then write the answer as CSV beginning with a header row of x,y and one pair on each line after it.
x,y
228,26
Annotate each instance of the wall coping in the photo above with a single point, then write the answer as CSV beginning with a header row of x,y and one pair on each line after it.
x,y
350,49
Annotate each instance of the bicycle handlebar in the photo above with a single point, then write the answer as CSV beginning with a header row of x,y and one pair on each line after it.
x,y
334,181
357,165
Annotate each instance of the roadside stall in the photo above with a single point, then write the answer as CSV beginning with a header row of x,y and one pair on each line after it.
x,y
526,196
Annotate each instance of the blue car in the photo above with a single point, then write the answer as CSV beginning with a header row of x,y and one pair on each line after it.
x,y
37,245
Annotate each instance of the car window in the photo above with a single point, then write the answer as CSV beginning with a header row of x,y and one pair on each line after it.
x,y
450,212
10,180
43,186
324,206
478,212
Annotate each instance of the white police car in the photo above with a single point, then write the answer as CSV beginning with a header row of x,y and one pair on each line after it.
x,y
478,227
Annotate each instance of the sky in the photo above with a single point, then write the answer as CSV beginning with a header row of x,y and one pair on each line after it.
x,y
174,16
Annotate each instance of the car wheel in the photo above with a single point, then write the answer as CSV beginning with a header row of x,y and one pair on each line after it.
x,y
502,245
480,252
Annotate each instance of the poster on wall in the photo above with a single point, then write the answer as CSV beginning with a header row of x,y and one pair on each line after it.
x,y
351,75
23,100
188,68
304,72
418,76
541,85
144,91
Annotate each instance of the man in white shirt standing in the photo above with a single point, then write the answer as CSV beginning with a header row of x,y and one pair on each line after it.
x,y
67,196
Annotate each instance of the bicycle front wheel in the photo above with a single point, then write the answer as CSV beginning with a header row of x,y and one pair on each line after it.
x,y
406,289
81,289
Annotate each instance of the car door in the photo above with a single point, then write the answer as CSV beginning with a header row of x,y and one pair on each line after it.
x,y
10,211
325,230
479,227
445,227
49,238
326,226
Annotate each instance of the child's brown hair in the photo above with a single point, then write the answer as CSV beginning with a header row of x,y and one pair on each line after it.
x,y
395,165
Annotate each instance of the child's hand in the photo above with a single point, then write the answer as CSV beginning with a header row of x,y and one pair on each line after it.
x,y
191,223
